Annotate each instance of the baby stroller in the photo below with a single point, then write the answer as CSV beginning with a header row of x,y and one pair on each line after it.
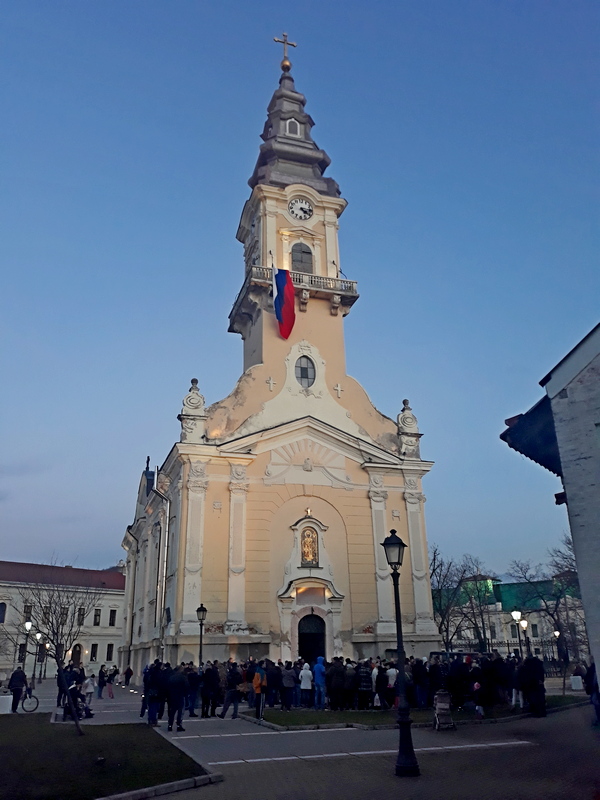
x,y
442,718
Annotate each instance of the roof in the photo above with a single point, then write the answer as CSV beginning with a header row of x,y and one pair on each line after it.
x,y
20,572
586,350
533,435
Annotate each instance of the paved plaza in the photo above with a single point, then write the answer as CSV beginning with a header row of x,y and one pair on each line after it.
x,y
530,759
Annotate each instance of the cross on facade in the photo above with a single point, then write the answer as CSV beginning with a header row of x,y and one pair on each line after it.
x,y
271,383
285,44
338,389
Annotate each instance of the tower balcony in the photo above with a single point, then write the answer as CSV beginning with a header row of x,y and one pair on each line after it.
x,y
340,292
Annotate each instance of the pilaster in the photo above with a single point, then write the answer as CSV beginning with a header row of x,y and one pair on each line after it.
x,y
424,622
236,595
385,607
197,483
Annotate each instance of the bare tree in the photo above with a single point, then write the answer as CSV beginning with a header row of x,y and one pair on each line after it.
x,y
562,559
446,579
477,594
58,613
556,597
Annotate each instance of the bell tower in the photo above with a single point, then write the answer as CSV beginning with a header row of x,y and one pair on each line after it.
x,y
290,222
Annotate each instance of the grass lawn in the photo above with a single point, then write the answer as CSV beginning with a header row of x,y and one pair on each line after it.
x,y
41,761
310,717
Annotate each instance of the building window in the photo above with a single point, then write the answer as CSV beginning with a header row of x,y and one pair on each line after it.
x,y
513,632
536,651
80,616
109,652
492,631
305,372
97,614
94,653
292,128
534,631
309,547
64,615
21,656
302,258
112,617
45,615
2,612
27,613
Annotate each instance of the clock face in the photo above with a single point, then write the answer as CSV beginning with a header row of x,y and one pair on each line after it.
x,y
300,208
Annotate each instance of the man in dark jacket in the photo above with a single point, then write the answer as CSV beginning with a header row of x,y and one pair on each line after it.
x,y
232,695
177,690
335,681
16,684
210,691
194,679
152,690
273,683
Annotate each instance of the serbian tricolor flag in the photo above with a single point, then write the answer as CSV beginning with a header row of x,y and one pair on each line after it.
x,y
283,300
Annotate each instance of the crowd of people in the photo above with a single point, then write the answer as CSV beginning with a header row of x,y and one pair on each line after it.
x,y
473,682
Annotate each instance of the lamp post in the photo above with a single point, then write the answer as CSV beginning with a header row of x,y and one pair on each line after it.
x,y
38,637
516,615
523,623
406,762
27,632
557,634
201,614
46,658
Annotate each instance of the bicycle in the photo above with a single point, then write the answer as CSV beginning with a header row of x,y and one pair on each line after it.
x,y
29,702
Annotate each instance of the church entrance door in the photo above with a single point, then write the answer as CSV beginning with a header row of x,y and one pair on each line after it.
x,y
311,638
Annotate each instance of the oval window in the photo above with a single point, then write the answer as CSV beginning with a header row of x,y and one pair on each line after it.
x,y
305,372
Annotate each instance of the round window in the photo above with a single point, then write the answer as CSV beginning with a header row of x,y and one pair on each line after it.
x,y
305,372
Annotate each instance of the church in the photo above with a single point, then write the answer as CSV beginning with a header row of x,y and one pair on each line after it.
x,y
271,508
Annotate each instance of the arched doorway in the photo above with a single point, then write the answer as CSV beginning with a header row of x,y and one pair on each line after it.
x,y
76,655
311,638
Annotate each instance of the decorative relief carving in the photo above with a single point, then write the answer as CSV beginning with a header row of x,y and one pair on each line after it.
x,y
376,490
197,478
307,466
238,478
213,628
413,497
304,297
163,483
336,302
411,483
193,415
408,432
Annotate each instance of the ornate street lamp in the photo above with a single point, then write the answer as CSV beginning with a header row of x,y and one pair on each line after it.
x,y
406,762
27,627
523,623
46,658
516,615
201,614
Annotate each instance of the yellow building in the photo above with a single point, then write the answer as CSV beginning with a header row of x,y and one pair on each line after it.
x,y
271,508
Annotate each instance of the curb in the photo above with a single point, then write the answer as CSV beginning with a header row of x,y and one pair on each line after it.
x,y
393,726
167,788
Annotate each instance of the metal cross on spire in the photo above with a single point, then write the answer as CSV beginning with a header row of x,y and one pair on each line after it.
x,y
286,64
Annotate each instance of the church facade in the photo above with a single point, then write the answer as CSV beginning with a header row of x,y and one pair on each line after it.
x,y
272,507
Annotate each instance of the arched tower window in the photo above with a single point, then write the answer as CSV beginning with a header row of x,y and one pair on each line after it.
x,y
292,128
302,258
2,612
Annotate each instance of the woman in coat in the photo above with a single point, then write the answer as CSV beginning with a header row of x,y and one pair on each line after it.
x,y
306,682
381,685
102,678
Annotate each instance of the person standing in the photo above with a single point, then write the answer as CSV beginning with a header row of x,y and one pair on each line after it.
x,y
319,674
88,688
152,692
102,678
250,673
232,694
288,683
128,675
259,684
177,690
110,679
16,684
306,681
210,691
194,679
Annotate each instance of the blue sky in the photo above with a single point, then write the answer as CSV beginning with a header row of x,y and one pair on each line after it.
x,y
464,136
